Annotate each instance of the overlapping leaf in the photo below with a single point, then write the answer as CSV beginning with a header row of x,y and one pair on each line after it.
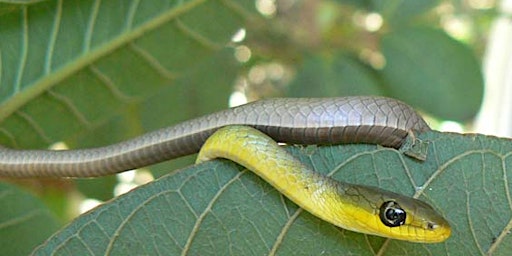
x,y
96,72
23,218
79,63
216,209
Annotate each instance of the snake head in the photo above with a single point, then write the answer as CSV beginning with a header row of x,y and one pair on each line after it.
x,y
388,214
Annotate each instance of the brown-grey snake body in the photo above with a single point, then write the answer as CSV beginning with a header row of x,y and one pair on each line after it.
x,y
375,120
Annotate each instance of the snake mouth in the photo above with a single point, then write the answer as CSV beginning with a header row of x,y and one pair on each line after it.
x,y
432,233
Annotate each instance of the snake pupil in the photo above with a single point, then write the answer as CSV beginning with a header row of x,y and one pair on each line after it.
x,y
391,214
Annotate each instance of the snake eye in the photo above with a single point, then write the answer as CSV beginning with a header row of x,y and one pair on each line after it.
x,y
391,214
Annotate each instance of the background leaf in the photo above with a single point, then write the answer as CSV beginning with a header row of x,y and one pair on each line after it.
x,y
338,74
423,64
106,80
399,13
110,65
238,213
24,221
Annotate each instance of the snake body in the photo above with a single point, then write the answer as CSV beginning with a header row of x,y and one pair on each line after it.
x,y
247,135
375,120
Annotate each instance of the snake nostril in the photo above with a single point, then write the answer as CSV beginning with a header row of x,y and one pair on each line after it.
x,y
432,226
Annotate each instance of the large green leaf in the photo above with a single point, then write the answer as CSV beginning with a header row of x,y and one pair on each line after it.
x,y
92,73
339,74
25,221
394,11
217,209
87,61
427,67
399,13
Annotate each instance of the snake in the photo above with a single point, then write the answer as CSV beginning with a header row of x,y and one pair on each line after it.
x,y
359,208
319,121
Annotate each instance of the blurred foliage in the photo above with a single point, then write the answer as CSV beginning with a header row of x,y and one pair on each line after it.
x,y
416,51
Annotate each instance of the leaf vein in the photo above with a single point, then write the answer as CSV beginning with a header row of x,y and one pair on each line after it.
x,y
338,167
256,229
131,15
444,166
237,9
202,40
408,172
468,213
110,85
24,50
76,235
369,244
126,219
169,234
53,38
32,123
384,247
70,106
10,136
505,180
152,62
1,60
205,212
284,231
20,219
100,227
506,231
187,204
84,243
90,27
283,199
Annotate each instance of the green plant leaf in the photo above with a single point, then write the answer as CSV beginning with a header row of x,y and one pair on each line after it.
x,y
338,75
87,61
20,1
399,13
395,12
437,73
215,208
92,73
25,221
